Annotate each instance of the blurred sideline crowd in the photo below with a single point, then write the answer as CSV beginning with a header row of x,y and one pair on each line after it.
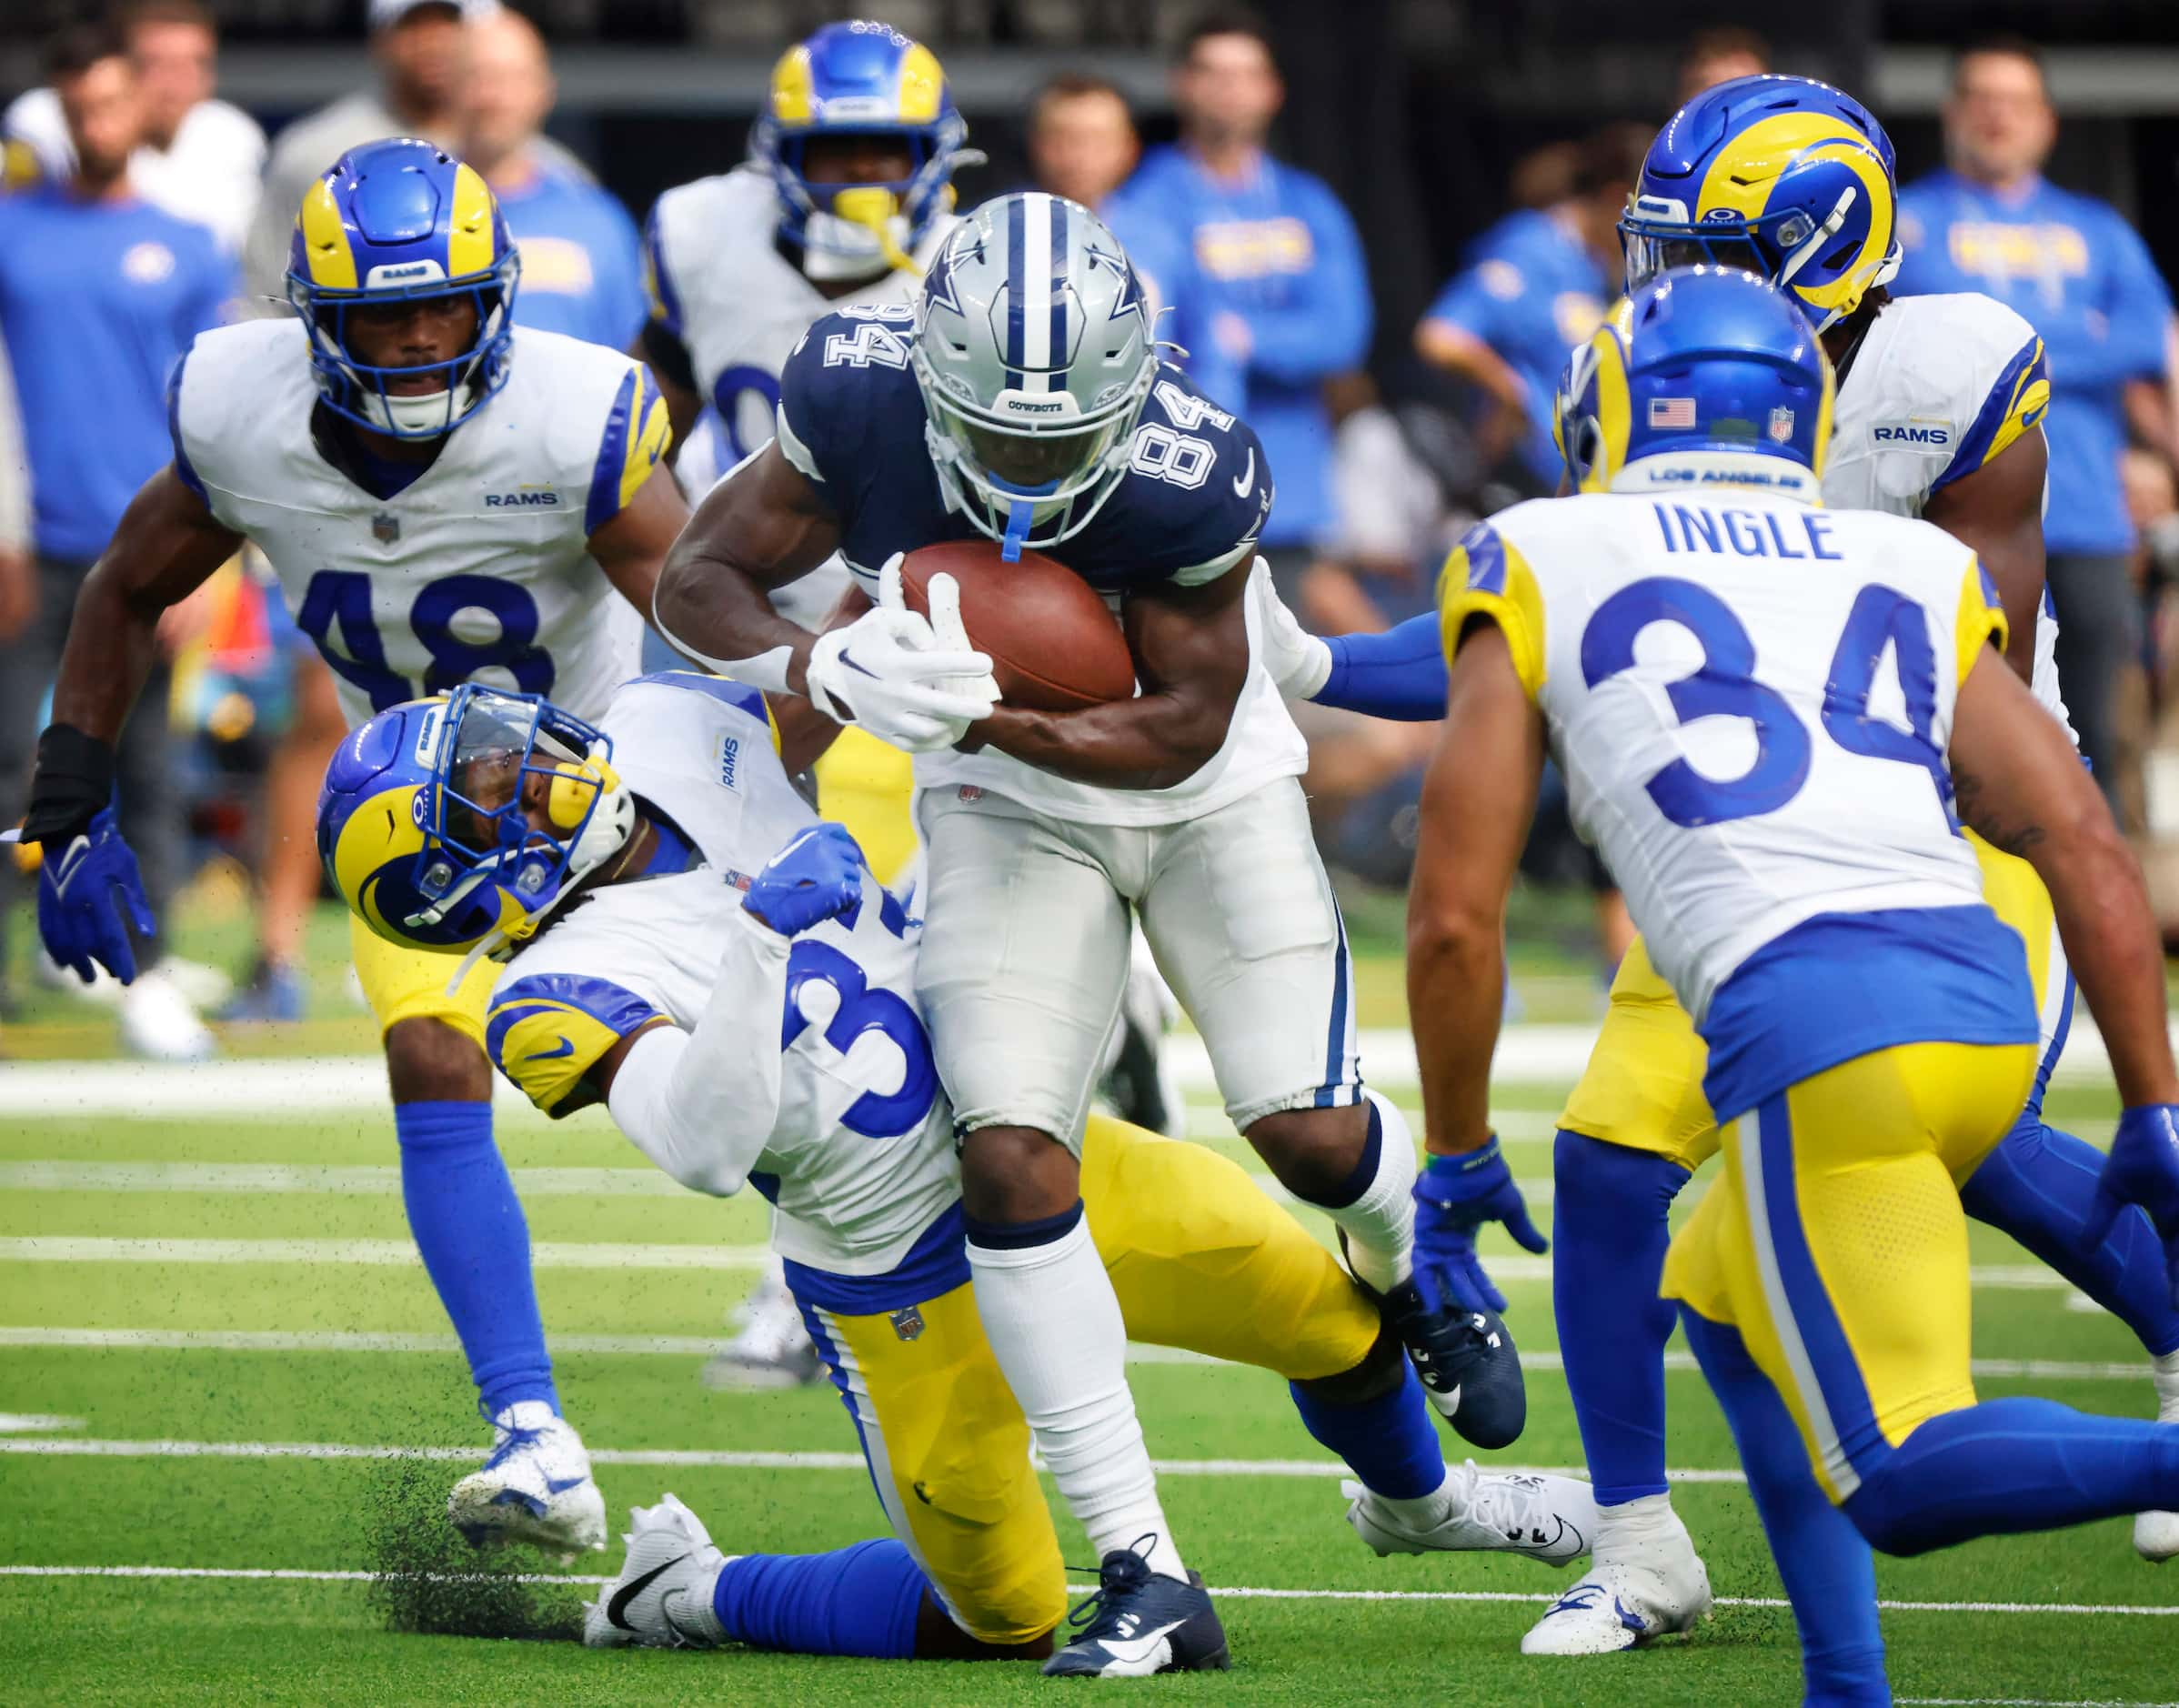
x,y
139,209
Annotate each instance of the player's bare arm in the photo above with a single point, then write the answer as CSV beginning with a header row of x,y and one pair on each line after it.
x,y
762,528
1190,647
2021,785
166,547
1998,511
631,549
1477,797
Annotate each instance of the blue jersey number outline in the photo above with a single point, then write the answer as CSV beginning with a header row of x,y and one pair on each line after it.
x,y
734,384
874,1115
340,599
1724,686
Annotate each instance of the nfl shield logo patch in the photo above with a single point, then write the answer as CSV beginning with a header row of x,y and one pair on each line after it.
x,y
1782,424
386,527
909,1323
970,793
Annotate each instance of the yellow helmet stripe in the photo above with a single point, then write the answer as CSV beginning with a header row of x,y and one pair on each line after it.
x,y
469,235
793,99
922,84
326,250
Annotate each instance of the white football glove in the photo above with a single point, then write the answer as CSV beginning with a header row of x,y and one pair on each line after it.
x,y
886,673
945,627
1298,661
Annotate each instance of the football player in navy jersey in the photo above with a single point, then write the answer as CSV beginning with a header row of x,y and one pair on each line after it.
x,y
1023,400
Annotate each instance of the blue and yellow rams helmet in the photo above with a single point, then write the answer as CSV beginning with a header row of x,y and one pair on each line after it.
x,y
1705,377
1784,177
394,222
458,824
859,78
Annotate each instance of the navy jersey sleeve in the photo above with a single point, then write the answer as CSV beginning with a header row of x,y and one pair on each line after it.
x,y
841,387
1194,498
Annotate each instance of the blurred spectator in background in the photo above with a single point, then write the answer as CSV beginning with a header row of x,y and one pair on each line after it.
x,y
1281,264
1536,284
582,262
1719,55
2082,277
200,158
1082,144
100,293
420,48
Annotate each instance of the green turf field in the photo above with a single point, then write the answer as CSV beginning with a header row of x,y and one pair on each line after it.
x,y
177,1401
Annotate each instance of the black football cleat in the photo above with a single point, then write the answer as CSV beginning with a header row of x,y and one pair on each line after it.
x,y
1467,1363
1139,1622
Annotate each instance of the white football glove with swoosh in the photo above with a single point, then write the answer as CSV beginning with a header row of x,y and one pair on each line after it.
x,y
887,672
1298,662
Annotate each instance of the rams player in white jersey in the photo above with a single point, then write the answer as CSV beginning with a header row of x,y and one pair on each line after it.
x,y
723,972
1768,714
446,498
1940,408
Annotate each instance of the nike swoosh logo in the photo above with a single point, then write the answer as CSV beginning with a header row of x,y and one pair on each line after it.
x,y
1243,482
560,1485
627,1592
853,666
1137,1649
566,1049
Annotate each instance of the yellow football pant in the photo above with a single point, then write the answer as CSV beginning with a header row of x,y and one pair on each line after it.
x,y
1200,1259
1835,1240
408,984
1643,1085
869,787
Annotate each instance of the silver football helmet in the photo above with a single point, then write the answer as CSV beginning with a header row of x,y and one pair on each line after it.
x,y
1034,351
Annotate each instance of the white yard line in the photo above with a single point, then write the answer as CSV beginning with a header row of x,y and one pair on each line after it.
x,y
549,1254
368,1181
2016,1609
698,1345
36,1424
282,1089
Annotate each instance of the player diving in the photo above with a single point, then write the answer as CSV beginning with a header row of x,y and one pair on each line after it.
x,y
445,497
1774,717
1023,401
694,949
1792,180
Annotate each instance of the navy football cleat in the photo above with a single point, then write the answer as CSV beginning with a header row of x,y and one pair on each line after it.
x,y
1141,1621
1467,1363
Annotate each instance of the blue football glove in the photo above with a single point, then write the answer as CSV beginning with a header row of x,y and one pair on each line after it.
x,y
817,875
89,894
1454,1196
2143,1169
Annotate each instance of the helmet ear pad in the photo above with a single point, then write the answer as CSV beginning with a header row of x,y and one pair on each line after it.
x,y
576,788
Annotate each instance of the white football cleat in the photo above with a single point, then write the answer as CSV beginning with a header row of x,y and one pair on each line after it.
x,y
535,1488
662,1597
1646,1582
772,1348
159,1023
2156,1534
1550,1519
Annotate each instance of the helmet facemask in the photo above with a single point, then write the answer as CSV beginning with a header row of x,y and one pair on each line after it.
x,y
501,758
363,392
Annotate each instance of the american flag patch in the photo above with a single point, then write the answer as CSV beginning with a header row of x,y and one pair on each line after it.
x,y
1671,412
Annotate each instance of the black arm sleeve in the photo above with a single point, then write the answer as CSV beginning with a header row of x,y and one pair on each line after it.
x,y
74,784
669,356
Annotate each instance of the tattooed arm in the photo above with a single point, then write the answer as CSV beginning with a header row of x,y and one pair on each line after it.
x,y
2023,789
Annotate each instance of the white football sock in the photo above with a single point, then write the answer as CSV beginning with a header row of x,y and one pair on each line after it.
x,y
2165,1367
1630,1524
1054,1324
1380,1225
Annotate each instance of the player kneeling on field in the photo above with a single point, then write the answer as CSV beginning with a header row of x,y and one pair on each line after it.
x,y
672,908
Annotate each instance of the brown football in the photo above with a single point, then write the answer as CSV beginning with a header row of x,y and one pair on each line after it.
x,y
1054,646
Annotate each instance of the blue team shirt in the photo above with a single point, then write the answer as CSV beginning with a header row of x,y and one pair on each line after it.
x,y
1277,250
852,405
1532,291
2077,273
582,262
97,302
